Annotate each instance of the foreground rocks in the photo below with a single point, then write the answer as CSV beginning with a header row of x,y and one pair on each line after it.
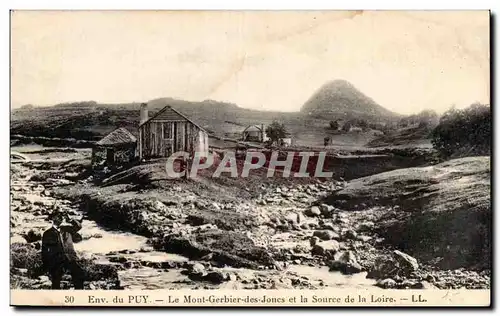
x,y
224,248
346,263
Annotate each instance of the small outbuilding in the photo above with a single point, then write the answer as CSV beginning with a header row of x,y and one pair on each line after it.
x,y
116,148
254,133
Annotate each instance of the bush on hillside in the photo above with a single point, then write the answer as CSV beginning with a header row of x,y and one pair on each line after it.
x,y
426,118
465,132
347,126
334,125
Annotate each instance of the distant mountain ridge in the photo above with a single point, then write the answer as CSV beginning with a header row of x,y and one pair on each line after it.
x,y
341,98
90,120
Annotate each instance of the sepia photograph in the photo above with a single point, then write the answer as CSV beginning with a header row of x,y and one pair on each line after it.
x,y
252,154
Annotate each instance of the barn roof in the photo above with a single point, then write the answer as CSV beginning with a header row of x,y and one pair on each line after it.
x,y
119,136
253,128
170,114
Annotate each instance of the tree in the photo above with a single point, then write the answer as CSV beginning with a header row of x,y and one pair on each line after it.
x,y
276,132
347,126
428,118
334,125
362,123
465,132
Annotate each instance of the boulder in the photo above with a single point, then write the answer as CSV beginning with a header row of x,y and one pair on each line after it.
x,y
304,226
295,227
232,277
406,262
326,209
300,249
364,238
325,248
346,263
21,271
342,221
196,268
216,206
366,226
118,259
158,206
350,234
305,200
132,265
286,194
196,271
329,226
313,226
424,285
386,283
313,211
326,234
292,218
384,268
196,220
400,264
282,283
216,277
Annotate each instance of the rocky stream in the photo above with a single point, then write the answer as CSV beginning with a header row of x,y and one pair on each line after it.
x,y
293,241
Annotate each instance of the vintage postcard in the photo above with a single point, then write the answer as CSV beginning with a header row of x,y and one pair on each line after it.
x,y
250,158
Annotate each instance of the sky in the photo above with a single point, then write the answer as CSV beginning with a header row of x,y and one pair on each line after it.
x,y
407,61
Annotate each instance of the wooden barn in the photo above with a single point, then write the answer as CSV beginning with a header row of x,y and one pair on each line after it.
x,y
116,148
169,131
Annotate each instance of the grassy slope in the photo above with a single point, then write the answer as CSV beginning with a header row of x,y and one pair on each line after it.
x,y
406,136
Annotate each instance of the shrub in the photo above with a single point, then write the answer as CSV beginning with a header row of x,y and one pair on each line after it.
x,y
347,126
276,132
334,125
465,132
26,256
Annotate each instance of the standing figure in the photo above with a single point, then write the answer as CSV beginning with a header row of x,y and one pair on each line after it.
x,y
189,161
327,141
58,253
